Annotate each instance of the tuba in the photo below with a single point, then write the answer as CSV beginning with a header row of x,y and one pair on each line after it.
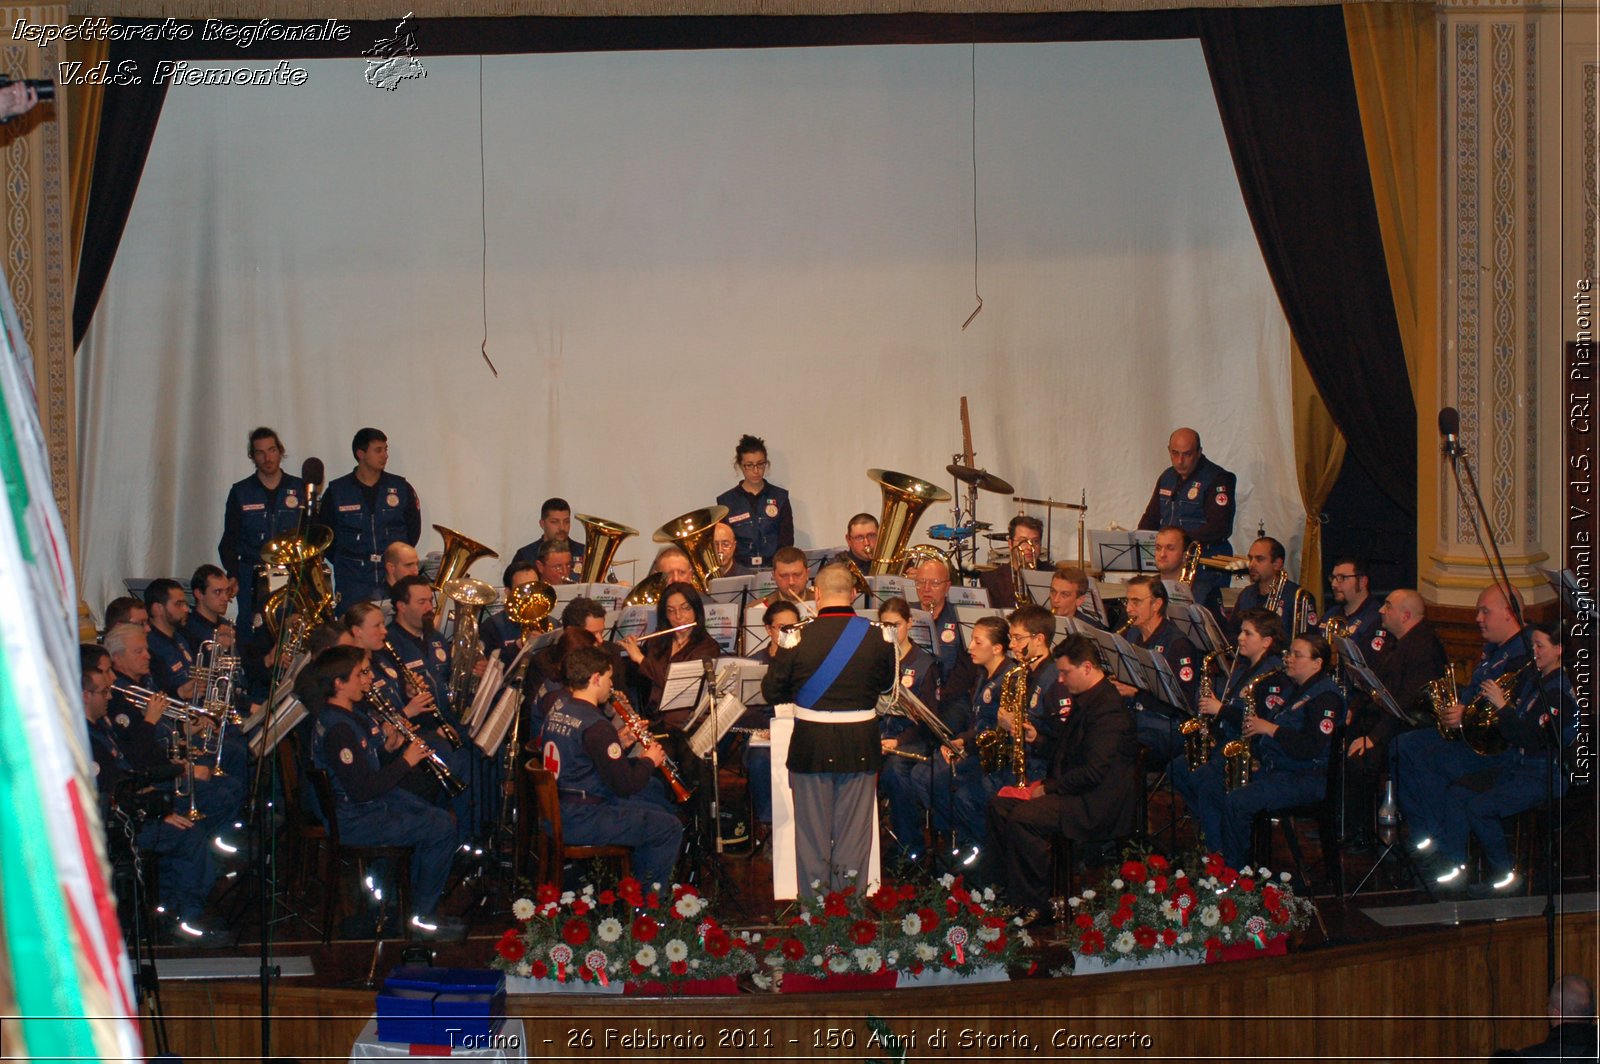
x,y
529,607
603,539
904,499
458,555
692,532
307,599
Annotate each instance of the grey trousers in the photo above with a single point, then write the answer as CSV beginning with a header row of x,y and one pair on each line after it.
x,y
832,826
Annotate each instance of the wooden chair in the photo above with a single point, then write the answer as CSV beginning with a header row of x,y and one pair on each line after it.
x,y
550,851
362,856
308,841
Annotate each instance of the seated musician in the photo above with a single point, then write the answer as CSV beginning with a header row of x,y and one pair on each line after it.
x,y
1354,607
1412,655
1088,794
208,621
498,631
679,605
420,648
1156,721
126,610
1429,770
400,560
366,765
956,671
172,666
792,576
969,787
723,541
582,617
1025,538
1069,595
1292,735
907,774
182,849
1265,560
1257,672
598,785
1030,630
758,756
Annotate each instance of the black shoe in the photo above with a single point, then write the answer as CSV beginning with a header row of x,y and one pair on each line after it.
x,y
1503,885
437,928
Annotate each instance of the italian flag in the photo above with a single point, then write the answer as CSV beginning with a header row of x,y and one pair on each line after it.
x,y
62,958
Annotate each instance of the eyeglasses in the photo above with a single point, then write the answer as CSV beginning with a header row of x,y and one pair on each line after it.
x,y
1336,577
754,467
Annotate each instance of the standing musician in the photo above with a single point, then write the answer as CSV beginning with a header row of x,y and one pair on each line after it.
x,y
209,618
555,528
860,542
1412,656
260,508
1198,496
758,512
973,787
792,577
1265,561
679,604
833,677
1025,538
1258,671
1426,764
1156,721
907,776
1358,610
368,509
1088,794
1292,738
598,786
725,544
365,764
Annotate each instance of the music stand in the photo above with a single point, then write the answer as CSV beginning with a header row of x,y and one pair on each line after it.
x,y
1198,626
1367,681
730,588
1116,551
690,685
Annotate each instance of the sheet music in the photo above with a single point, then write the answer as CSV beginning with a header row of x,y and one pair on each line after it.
x,y
1038,581
755,629
817,557
682,689
1367,680
1115,551
1198,625
974,597
888,586
722,621
922,630
608,595
969,615
730,588
631,620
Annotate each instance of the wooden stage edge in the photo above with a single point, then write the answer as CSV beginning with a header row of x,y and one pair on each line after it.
x,y
1452,993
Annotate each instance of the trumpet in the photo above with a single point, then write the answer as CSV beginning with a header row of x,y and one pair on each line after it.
x,y
420,686
387,714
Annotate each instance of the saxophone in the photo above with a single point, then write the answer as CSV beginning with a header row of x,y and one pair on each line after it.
x,y
1198,736
419,686
1237,753
999,744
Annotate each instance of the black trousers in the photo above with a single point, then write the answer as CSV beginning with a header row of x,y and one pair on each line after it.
x,y
1018,850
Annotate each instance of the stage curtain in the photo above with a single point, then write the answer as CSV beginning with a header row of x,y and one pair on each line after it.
x,y
83,112
1285,91
1319,451
1393,56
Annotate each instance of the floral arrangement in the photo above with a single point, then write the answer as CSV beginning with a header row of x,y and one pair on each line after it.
x,y
1147,908
901,927
624,933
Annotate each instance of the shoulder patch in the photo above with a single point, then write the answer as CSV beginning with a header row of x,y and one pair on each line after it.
x,y
1326,726
614,751
1185,672
346,755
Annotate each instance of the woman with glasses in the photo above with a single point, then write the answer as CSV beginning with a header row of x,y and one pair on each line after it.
x,y
758,512
679,605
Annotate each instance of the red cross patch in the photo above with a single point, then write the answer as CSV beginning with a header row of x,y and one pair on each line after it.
x,y
552,759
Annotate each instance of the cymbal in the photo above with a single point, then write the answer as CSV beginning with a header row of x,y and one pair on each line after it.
x,y
979,478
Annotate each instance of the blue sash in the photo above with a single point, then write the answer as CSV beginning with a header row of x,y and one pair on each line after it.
x,y
833,664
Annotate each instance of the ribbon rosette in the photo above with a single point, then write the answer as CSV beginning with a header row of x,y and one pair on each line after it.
x,y
595,961
957,938
1253,928
561,953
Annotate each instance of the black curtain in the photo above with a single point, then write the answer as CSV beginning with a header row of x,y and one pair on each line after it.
x,y
1288,101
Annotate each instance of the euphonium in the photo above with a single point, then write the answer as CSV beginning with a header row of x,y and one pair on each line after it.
x,y
470,596
602,538
691,531
904,499
529,606
388,714
458,556
307,599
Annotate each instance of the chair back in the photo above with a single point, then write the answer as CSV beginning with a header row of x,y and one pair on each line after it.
x,y
547,841
322,787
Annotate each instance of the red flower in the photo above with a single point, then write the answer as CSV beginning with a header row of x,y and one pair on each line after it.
x,y
679,967
718,942
1279,914
1121,917
929,918
1228,909
1133,871
1145,936
993,921
1091,943
833,904
1214,864
794,949
636,968
575,932
863,932
652,900
997,945
581,907
547,894
960,893
1084,920
1161,884
645,929
951,906
1126,901
608,897
1168,937
771,944
1271,895
1156,862
539,969
510,946
1229,877
1213,948
1247,884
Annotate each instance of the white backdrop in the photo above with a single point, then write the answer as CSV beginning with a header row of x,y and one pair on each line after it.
x,y
682,247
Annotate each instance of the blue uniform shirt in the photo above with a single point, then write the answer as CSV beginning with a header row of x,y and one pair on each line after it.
x,y
920,675
171,660
364,522
1307,722
1250,599
1202,504
429,657
252,516
761,523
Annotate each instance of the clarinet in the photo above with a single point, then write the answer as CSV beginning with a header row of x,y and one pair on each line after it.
x,y
624,709
419,686
387,714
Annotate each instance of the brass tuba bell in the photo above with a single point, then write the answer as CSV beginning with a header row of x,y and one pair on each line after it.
x,y
602,538
458,555
904,499
529,605
691,532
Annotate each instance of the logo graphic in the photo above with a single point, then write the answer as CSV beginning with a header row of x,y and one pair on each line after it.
x,y
393,59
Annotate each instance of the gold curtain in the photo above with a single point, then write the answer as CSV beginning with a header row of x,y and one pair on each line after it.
x,y
1319,454
83,115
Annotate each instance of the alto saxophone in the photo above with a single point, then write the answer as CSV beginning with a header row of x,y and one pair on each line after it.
x,y
641,731
387,714
1237,753
1198,737
418,686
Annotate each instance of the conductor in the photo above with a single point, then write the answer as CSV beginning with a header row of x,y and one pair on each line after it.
x,y
833,677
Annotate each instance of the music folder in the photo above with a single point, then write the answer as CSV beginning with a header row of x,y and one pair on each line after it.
x,y
1198,625
730,588
735,686
608,595
1119,551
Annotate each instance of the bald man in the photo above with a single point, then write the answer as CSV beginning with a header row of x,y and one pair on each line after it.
x,y
1570,1007
1427,764
1198,496
1411,656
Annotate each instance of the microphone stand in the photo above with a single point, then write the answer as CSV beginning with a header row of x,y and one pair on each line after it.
x,y
1461,467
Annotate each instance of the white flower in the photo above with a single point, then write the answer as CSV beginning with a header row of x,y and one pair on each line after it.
x,y
1117,884
1150,887
817,961
524,969
1185,937
646,956
609,929
1170,911
1246,871
946,879
1088,895
925,952
1123,943
522,909
851,874
988,934
1210,916
588,889
763,981
988,894
567,897
1024,938
868,959
688,906
694,963
839,962
893,958
1262,873
677,950
816,884
911,924
1227,932
1074,902
1284,876
1180,874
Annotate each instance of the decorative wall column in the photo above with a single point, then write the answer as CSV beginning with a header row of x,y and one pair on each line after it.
x,y
33,154
1502,294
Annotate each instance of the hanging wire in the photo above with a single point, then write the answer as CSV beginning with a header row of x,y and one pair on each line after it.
x,y
483,221
975,294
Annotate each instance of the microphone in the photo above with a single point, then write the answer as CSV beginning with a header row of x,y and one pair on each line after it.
x,y
312,473
1450,429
